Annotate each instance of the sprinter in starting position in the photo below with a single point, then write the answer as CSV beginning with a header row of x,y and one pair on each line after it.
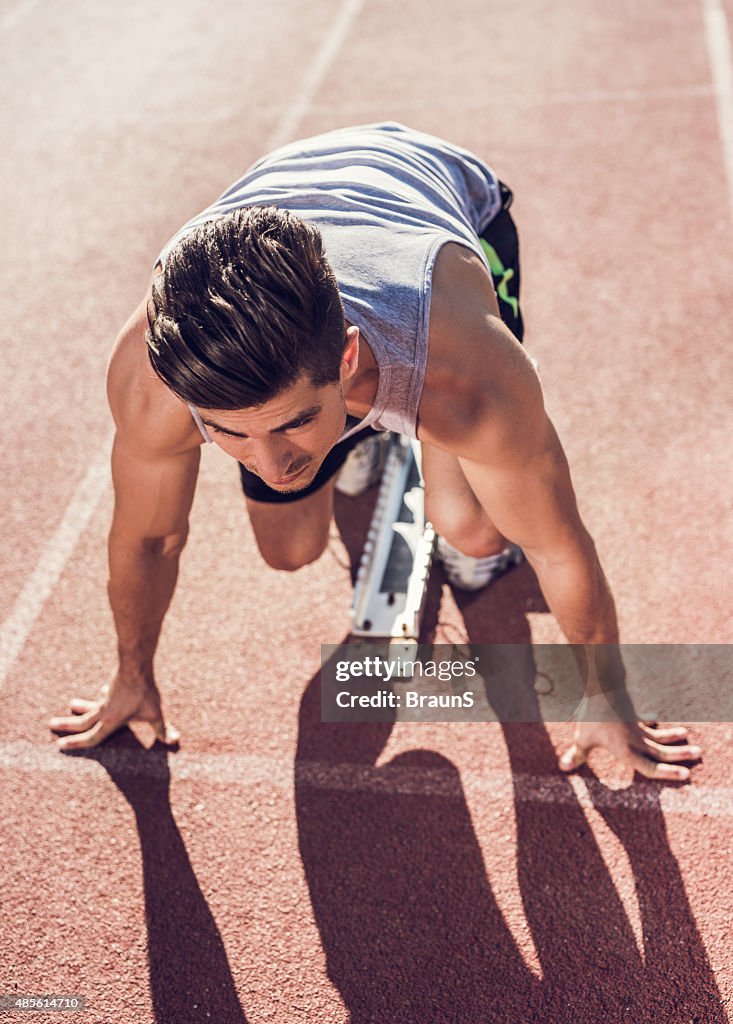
x,y
363,280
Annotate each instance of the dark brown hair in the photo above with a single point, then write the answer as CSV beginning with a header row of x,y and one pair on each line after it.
x,y
245,305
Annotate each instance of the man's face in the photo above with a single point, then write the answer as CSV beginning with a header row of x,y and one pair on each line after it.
x,y
285,440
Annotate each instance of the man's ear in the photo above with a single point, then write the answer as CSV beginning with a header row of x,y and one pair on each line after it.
x,y
350,357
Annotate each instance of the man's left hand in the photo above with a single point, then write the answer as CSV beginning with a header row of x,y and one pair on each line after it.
x,y
654,752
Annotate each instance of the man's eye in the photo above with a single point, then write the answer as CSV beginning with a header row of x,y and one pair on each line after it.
x,y
301,423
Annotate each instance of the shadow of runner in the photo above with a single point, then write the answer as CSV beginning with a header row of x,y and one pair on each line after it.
x,y
410,928
190,978
678,981
592,968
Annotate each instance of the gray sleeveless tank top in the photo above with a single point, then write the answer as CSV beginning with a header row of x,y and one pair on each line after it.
x,y
385,199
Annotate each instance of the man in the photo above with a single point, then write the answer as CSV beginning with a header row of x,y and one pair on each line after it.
x,y
348,282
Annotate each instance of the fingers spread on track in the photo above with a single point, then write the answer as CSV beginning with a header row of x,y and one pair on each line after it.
x,y
76,723
672,754
82,741
656,770
671,734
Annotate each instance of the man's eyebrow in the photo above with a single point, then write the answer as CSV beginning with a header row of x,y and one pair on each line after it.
x,y
306,414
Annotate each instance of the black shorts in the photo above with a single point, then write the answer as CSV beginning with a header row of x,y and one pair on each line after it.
x,y
501,246
500,243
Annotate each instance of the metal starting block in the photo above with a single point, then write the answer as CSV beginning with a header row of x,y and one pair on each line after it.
x,y
392,578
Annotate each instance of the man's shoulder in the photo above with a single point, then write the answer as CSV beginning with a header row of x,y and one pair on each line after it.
x,y
478,380
149,418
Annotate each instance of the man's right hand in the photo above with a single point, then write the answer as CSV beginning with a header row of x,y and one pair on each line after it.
x,y
155,459
122,701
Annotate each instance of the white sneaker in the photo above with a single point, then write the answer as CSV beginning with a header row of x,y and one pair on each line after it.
x,y
362,468
467,573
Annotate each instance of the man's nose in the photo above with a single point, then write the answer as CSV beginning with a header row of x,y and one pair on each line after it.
x,y
273,462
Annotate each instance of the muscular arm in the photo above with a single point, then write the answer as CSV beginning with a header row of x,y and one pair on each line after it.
x,y
497,426
524,484
149,528
508,449
155,459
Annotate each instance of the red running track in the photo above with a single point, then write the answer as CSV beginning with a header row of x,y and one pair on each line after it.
x,y
277,869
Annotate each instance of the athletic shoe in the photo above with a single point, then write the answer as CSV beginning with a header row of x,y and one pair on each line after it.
x,y
467,573
362,468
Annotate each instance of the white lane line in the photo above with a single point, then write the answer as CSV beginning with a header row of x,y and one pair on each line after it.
x,y
59,548
55,554
9,19
251,770
322,61
717,35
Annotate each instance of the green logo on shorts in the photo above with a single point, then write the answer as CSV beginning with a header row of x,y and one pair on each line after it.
x,y
502,276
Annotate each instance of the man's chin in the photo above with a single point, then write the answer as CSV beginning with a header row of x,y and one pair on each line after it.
x,y
299,483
